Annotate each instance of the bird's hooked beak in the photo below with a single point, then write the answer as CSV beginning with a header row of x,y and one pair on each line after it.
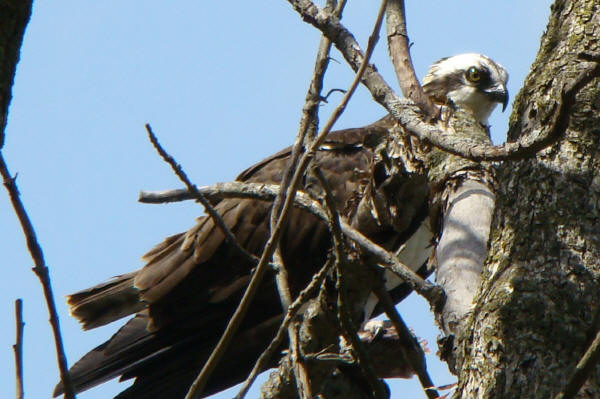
x,y
499,94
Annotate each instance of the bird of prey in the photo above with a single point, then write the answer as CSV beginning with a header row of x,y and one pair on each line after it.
x,y
470,81
184,296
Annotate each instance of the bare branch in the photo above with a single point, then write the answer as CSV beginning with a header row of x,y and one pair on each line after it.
x,y
307,127
41,270
413,353
399,47
229,237
18,348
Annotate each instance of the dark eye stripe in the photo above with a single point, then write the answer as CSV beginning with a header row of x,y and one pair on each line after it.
x,y
484,77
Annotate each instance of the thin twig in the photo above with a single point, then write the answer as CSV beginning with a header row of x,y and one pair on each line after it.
x,y
399,47
586,365
229,236
41,270
267,192
18,348
412,121
299,366
415,357
292,310
364,360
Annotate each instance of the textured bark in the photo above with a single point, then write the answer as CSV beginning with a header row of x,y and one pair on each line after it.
x,y
14,16
541,291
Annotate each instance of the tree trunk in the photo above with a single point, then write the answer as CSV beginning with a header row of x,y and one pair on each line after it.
x,y
14,16
537,309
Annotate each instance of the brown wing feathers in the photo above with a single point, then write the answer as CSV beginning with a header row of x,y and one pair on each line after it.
x,y
192,282
105,302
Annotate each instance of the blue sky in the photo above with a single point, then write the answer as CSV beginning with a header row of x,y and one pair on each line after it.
x,y
222,84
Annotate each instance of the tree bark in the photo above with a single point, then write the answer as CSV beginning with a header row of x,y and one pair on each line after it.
x,y
537,309
14,16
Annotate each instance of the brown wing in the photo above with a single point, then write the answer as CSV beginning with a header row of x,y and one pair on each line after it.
x,y
193,281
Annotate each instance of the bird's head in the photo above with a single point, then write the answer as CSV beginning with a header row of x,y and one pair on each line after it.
x,y
471,81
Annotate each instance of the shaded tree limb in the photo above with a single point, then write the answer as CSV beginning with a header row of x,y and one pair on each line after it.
x,y
462,247
41,270
18,348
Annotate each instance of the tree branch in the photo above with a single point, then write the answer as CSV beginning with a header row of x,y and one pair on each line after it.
x,y
18,348
14,17
40,269
180,173
462,247
399,48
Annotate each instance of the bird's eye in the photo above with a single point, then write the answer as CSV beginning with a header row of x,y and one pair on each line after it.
x,y
473,75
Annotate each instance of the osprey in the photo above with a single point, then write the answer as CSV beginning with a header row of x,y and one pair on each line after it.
x,y
184,296
472,82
